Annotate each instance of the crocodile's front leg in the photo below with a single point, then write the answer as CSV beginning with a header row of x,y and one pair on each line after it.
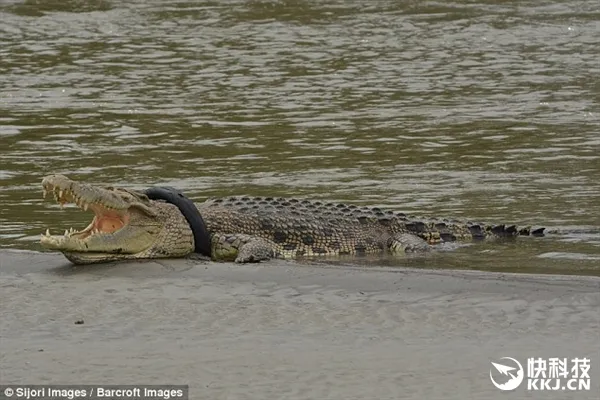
x,y
401,243
242,248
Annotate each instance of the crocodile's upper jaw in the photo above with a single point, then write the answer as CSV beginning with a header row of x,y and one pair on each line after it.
x,y
126,224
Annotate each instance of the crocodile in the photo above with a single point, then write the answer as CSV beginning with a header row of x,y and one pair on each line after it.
x,y
163,223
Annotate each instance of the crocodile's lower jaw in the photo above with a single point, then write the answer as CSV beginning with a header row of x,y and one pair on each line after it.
x,y
69,242
82,258
105,223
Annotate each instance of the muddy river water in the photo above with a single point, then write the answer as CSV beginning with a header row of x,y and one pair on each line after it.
x,y
461,109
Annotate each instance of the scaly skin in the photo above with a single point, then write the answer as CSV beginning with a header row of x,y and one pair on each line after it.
x,y
128,225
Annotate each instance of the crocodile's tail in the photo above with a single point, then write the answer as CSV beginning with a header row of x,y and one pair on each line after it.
x,y
450,231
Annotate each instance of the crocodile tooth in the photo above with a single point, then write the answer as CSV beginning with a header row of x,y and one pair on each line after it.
x,y
44,193
85,206
66,233
48,232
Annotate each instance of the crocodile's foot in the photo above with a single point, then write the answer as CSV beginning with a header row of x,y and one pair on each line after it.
x,y
407,243
242,248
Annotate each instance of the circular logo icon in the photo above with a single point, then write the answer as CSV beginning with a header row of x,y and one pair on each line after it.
x,y
8,392
512,370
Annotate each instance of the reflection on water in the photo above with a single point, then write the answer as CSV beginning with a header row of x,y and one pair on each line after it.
x,y
460,109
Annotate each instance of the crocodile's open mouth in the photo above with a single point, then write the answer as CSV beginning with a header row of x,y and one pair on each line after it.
x,y
125,224
107,220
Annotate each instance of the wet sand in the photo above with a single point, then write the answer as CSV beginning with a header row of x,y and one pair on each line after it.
x,y
284,330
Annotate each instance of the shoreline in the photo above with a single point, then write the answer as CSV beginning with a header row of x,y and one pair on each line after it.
x,y
288,330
